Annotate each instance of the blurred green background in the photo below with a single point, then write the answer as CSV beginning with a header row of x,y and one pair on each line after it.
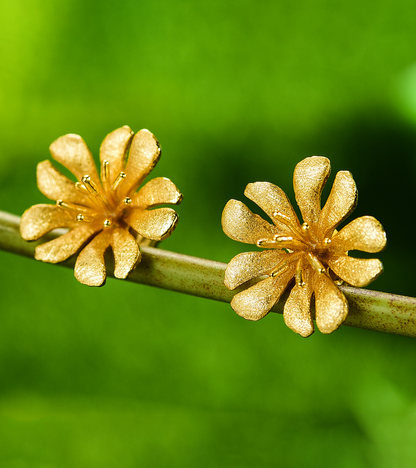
x,y
235,91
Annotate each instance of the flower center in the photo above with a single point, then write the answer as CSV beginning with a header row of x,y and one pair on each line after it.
x,y
104,202
301,246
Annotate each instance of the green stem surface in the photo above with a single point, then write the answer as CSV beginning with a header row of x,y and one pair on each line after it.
x,y
370,310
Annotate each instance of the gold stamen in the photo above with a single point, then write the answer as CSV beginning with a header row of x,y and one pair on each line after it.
x,y
282,242
81,187
285,241
73,207
93,191
316,264
83,218
89,185
263,242
305,227
105,170
280,239
280,269
282,217
105,177
327,240
268,244
125,202
107,223
286,221
299,276
119,179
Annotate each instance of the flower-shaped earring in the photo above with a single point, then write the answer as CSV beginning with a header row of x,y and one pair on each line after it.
x,y
102,213
314,253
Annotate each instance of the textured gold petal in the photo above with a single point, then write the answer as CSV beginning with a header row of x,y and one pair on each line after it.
x,y
330,304
255,302
154,224
114,150
144,154
54,185
90,266
249,265
356,271
40,219
156,192
64,246
126,252
309,179
365,234
270,199
341,202
297,309
240,224
72,152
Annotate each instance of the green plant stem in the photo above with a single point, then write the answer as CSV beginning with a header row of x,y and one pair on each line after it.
x,y
370,310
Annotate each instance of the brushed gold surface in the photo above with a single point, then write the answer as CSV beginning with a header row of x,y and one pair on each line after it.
x,y
313,253
38,220
255,302
357,272
249,265
126,252
241,224
268,197
102,213
55,185
309,179
364,233
158,191
153,224
296,311
144,154
114,149
73,153
330,304
90,266
341,202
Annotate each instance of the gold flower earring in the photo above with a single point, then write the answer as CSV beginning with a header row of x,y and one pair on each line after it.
x,y
314,253
102,213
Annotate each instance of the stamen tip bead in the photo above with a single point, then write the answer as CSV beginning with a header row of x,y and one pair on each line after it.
x,y
80,217
127,201
305,226
107,223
